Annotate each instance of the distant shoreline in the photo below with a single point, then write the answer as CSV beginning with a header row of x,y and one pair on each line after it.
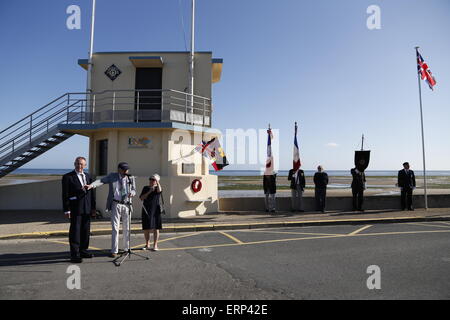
x,y
249,173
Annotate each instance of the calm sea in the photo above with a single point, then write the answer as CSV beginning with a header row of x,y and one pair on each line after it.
x,y
339,173
336,173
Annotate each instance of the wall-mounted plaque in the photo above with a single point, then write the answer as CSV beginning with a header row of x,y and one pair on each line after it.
x,y
113,72
139,142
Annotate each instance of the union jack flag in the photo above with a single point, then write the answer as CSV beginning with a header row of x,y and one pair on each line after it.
x,y
424,71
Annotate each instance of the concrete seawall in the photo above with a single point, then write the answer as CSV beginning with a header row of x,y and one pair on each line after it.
x,y
46,195
43,195
334,203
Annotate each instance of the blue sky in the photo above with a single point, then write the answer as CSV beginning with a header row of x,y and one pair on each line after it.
x,y
314,62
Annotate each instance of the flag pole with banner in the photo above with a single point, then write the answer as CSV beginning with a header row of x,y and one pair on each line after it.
x,y
296,159
268,171
425,73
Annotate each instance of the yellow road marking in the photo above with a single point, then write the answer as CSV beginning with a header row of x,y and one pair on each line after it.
x,y
245,243
266,241
168,239
286,232
67,243
65,232
404,232
359,230
231,237
306,238
423,224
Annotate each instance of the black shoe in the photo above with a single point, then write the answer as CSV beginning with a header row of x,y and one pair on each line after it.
x,y
301,210
87,255
411,209
76,260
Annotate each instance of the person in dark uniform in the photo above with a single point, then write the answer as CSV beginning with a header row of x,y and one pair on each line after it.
x,y
407,183
297,188
358,187
79,205
270,189
151,211
320,182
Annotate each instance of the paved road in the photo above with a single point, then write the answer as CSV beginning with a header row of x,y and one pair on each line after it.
x,y
321,262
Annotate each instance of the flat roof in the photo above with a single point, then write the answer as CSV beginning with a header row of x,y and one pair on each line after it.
x,y
85,129
149,52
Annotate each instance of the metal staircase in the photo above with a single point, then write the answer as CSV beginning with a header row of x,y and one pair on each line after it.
x,y
38,132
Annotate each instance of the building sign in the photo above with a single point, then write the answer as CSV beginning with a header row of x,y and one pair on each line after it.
x,y
139,142
113,72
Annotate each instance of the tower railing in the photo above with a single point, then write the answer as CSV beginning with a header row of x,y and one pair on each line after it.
x,y
110,106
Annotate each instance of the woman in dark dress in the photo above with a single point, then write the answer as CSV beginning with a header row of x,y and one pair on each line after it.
x,y
151,211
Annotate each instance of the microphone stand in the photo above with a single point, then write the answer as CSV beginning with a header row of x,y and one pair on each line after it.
x,y
129,252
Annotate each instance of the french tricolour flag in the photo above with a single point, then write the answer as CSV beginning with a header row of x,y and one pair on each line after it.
x,y
296,161
269,162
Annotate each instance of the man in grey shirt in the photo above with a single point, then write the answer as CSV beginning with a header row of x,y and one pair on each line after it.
x,y
122,187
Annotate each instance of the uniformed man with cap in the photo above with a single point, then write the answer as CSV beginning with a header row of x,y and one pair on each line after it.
x,y
122,188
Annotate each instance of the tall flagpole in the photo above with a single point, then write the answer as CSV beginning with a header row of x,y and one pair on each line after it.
x,y
423,136
91,49
191,60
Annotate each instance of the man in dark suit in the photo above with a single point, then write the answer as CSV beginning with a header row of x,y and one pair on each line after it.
x,y
358,187
78,205
407,183
320,182
297,188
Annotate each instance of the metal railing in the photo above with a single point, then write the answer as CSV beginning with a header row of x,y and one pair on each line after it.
x,y
107,106
149,106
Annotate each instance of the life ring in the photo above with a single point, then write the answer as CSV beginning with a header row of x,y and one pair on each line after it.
x,y
196,185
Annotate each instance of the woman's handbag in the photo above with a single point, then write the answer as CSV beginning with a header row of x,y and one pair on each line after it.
x,y
161,204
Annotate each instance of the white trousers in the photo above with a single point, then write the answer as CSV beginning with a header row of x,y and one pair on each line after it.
x,y
120,211
270,202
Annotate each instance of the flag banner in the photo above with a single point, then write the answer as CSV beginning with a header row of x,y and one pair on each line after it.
x,y
296,161
424,71
269,162
213,151
362,159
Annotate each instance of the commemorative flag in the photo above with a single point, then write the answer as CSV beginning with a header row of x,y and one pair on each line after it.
x,y
213,151
424,71
296,161
269,162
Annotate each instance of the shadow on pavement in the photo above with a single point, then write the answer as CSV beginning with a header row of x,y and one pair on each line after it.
x,y
42,258
13,217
